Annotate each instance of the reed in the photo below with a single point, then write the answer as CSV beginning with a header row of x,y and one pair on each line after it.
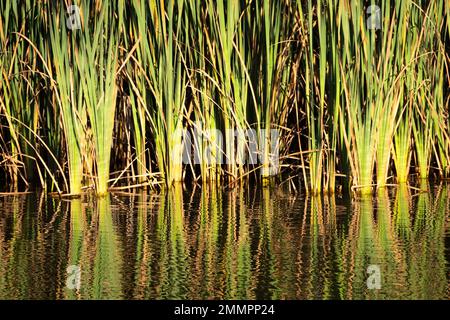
x,y
19,90
402,149
69,97
97,60
167,81
138,93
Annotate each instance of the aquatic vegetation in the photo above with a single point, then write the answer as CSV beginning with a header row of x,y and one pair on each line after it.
x,y
148,93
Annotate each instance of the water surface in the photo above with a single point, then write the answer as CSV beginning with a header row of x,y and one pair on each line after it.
x,y
206,243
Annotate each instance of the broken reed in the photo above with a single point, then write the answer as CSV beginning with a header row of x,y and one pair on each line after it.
x,y
358,100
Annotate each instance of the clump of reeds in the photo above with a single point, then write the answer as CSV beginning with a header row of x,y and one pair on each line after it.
x,y
357,92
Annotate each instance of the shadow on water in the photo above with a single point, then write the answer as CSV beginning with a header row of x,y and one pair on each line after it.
x,y
206,243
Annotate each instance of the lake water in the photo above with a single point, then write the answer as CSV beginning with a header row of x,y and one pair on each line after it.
x,y
206,243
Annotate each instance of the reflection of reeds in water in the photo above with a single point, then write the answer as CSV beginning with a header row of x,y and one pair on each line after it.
x,y
407,256
228,247
359,250
402,211
211,215
374,243
77,228
266,286
143,252
95,248
170,232
390,256
9,265
427,264
24,232
212,244
237,262
107,263
221,271
319,263
329,264
160,267
312,288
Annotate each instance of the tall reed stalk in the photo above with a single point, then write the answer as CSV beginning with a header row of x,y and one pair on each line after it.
x,y
97,60
69,96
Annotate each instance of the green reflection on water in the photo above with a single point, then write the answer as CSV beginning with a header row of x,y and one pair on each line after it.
x,y
240,244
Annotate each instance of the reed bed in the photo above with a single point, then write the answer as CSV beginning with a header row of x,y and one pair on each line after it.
x,y
145,93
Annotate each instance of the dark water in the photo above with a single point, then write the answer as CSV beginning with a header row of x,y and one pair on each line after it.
x,y
211,244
